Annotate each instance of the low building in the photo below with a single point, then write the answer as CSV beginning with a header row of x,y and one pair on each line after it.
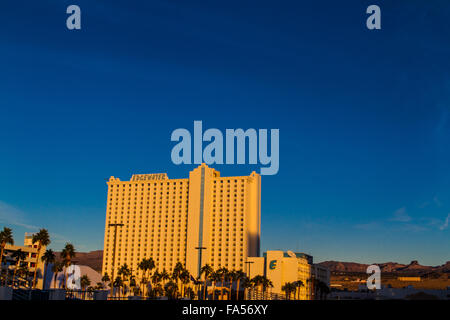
x,y
31,261
287,267
411,279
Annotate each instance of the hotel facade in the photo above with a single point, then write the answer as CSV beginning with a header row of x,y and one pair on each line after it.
x,y
203,219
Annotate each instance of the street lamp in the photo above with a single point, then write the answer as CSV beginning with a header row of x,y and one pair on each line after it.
x,y
200,249
115,225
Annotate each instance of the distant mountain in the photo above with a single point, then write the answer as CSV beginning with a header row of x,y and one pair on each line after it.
x,y
91,259
391,267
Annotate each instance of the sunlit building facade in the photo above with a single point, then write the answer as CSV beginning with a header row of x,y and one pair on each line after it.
x,y
170,219
282,267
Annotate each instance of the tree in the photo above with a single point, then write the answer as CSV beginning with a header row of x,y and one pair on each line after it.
x,y
177,270
56,268
48,257
157,291
266,283
106,279
118,283
6,237
185,278
85,281
164,276
190,293
18,255
223,273
298,285
215,277
171,289
288,288
124,272
322,289
23,272
206,270
247,284
155,278
231,278
133,285
197,284
67,254
146,265
42,238
239,276
258,281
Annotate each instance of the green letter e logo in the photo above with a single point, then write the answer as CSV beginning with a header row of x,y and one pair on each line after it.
x,y
273,264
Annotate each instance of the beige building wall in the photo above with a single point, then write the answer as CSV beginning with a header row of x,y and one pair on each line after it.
x,y
167,219
255,267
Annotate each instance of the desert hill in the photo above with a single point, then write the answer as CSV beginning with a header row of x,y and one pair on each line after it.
x,y
388,267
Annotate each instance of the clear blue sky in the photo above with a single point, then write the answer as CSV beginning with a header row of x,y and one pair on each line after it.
x,y
364,116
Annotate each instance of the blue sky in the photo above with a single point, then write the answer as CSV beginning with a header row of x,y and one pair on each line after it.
x,y
364,116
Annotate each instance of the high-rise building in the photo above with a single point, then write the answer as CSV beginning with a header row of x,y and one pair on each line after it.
x,y
203,219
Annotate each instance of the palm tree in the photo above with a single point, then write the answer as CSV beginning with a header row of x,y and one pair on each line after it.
x,y
215,277
322,289
19,255
298,284
190,293
259,281
23,272
164,276
239,275
223,272
206,270
266,283
171,290
177,270
247,284
288,288
6,237
146,265
197,283
133,286
43,239
106,278
67,254
48,257
155,278
56,268
185,278
118,283
85,282
231,277
124,272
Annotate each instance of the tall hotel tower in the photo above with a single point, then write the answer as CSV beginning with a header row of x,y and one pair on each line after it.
x,y
170,219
